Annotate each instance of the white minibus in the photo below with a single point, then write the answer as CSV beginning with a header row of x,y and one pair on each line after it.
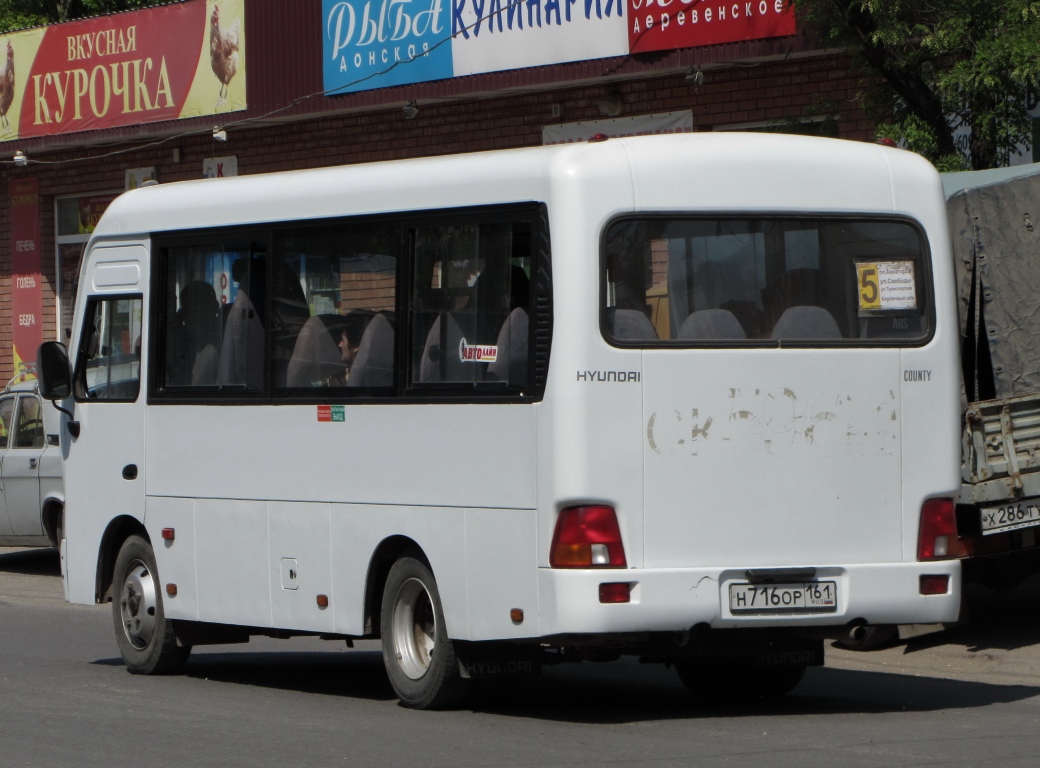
x,y
688,398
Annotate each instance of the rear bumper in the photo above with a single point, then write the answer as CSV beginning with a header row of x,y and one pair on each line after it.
x,y
675,599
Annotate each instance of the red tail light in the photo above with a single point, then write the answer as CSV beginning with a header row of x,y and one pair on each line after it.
x,y
587,537
938,536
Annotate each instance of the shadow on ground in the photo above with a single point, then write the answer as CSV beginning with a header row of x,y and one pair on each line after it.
x,y
992,621
31,562
614,693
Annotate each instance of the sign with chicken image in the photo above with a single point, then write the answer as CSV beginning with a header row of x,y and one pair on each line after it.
x,y
165,63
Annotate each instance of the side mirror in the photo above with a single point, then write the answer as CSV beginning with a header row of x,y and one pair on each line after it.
x,y
52,370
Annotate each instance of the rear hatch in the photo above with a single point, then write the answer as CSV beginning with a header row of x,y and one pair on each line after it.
x,y
772,376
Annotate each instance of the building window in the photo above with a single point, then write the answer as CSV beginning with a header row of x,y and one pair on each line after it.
x,y
76,218
822,125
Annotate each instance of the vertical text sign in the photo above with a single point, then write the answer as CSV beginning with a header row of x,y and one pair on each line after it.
x,y
26,296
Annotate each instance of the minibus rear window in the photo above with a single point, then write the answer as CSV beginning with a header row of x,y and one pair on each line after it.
x,y
765,281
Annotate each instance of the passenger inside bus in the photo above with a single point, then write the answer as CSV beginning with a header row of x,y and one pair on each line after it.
x,y
195,336
242,350
353,331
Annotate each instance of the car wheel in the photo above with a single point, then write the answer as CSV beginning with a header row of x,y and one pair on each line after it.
x,y
419,656
143,633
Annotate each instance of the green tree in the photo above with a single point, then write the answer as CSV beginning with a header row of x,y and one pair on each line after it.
x,y
935,67
19,14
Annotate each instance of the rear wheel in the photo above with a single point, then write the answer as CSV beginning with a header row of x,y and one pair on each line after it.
x,y
143,633
419,657
736,680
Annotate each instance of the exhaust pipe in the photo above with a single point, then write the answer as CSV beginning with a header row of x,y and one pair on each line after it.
x,y
857,633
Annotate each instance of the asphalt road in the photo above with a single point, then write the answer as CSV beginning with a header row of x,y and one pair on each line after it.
x,y
967,697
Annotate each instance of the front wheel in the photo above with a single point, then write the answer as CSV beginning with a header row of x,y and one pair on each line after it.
x,y
419,656
143,633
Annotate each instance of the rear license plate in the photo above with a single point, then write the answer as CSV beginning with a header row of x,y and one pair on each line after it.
x,y
1021,514
808,597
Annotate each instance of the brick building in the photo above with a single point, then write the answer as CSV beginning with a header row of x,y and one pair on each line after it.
x,y
289,118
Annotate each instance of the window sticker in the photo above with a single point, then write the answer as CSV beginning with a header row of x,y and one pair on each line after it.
x,y
477,353
331,413
886,285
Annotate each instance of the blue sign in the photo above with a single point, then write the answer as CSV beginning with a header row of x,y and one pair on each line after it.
x,y
380,43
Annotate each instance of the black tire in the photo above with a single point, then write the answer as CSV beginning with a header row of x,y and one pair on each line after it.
x,y
419,656
144,635
736,680
56,528
868,638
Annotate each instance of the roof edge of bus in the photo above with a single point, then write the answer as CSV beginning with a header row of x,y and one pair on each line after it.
x,y
530,166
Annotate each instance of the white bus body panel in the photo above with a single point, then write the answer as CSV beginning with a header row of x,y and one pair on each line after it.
x,y
831,462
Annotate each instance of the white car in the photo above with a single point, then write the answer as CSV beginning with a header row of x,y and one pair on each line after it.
x,y
32,502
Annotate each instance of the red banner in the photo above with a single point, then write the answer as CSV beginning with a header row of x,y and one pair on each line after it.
x,y
163,63
26,297
658,25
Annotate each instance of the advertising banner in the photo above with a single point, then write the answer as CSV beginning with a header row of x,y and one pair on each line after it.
x,y
378,43
659,25
90,210
165,63
26,280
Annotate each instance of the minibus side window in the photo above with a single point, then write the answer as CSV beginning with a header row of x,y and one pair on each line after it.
x,y
471,305
346,336
738,281
418,306
215,323
109,360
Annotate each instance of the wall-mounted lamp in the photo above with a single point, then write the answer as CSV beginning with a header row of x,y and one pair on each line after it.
x,y
410,109
20,159
694,76
219,133
610,105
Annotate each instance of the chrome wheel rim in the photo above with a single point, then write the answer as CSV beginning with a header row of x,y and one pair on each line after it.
x,y
414,628
137,605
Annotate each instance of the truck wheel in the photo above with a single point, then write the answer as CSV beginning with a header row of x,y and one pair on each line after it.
x,y
419,656
143,633
736,680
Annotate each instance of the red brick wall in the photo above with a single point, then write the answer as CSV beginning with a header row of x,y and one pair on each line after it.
x,y
774,91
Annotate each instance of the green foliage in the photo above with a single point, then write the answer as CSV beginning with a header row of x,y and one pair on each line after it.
x,y
935,67
20,14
